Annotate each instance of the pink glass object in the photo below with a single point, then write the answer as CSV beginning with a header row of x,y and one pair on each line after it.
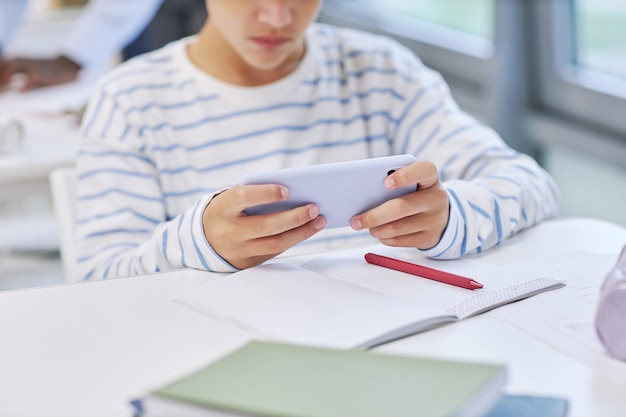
x,y
611,312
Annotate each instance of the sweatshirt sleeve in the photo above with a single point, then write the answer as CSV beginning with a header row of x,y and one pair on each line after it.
x,y
105,27
11,15
122,225
493,190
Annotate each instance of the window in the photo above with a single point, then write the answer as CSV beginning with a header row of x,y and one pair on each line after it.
x,y
465,26
601,36
474,17
455,37
539,71
581,73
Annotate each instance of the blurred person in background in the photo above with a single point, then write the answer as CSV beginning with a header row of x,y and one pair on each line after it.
x,y
103,29
175,19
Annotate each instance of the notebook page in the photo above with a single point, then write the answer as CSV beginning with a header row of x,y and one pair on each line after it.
x,y
288,303
501,284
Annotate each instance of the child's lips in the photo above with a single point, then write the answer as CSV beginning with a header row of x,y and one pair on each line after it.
x,y
270,41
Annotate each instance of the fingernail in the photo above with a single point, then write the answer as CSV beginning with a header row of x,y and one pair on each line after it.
x,y
319,223
356,223
389,182
284,192
314,211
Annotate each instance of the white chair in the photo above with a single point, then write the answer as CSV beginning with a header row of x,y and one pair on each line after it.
x,y
63,185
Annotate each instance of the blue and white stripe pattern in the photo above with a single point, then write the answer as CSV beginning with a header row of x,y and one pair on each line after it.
x,y
160,137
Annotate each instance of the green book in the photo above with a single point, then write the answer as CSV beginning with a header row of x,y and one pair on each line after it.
x,y
281,380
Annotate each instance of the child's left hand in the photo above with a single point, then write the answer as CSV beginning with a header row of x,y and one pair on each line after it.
x,y
415,220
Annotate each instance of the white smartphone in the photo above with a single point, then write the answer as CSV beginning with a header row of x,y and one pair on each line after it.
x,y
341,190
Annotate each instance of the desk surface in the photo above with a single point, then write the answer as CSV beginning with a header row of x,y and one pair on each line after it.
x,y
86,349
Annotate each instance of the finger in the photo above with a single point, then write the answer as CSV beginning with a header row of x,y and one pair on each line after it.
x,y
431,202
423,230
421,222
422,173
389,211
34,74
277,244
262,225
404,226
31,82
257,251
240,197
420,240
423,239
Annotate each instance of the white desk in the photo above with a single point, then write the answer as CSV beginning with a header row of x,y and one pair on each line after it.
x,y
86,349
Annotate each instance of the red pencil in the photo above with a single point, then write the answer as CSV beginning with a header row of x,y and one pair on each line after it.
x,y
422,271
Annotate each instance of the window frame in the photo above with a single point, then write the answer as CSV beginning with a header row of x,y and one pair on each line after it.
x,y
583,94
517,83
572,106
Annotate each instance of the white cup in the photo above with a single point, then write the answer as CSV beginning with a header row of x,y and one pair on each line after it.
x,y
11,135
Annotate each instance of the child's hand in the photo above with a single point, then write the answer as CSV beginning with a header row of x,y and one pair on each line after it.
x,y
416,220
246,241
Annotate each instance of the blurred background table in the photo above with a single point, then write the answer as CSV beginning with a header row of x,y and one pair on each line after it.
x,y
51,119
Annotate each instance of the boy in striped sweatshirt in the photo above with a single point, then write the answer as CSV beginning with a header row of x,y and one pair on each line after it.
x,y
167,136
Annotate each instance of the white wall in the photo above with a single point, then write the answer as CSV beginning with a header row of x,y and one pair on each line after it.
x,y
589,187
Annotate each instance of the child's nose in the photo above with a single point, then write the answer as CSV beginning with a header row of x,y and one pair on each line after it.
x,y
275,13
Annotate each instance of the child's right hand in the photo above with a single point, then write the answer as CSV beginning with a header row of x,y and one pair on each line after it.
x,y
245,241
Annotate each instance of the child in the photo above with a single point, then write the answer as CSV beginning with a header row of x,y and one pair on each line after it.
x,y
167,136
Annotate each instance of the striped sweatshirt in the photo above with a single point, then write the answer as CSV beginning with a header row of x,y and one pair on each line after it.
x,y
160,138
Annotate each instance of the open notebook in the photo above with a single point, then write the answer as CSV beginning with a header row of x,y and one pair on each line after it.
x,y
339,300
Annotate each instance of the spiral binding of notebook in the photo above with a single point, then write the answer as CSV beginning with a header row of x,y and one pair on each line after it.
x,y
490,300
